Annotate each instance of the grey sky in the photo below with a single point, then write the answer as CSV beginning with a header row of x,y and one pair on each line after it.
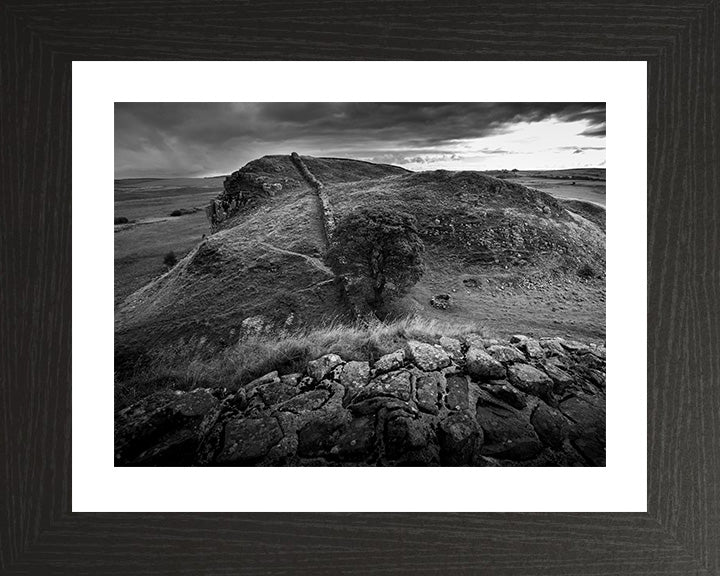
x,y
168,139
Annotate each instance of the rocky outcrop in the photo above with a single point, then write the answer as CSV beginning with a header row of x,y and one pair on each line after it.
x,y
456,403
244,188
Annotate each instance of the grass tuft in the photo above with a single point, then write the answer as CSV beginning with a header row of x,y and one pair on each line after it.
x,y
194,364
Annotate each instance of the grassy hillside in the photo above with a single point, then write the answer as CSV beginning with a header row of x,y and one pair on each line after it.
x,y
151,232
509,256
338,170
267,264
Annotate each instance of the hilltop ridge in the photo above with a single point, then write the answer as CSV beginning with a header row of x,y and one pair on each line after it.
x,y
507,256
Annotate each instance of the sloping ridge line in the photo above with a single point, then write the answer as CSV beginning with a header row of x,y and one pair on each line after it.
x,y
328,219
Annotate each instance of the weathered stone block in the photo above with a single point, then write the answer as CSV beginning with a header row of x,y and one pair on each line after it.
x,y
390,362
459,435
395,384
321,367
428,389
426,356
247,441
530,380
457,393
482,366
506,354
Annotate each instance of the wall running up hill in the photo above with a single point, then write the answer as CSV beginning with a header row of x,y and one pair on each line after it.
x,y
327,211
359,309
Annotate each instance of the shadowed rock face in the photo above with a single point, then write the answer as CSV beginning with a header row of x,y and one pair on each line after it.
x,y
420,407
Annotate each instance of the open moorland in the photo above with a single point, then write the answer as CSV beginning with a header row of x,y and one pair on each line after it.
x,y
151,231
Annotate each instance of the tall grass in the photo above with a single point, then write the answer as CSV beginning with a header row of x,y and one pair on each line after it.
x,y
193,364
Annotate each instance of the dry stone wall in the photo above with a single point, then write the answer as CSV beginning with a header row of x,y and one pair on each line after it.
x,y
359,309
469,402
327,211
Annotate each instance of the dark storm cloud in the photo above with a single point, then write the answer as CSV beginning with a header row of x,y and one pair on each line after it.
x,y
596,130
200,138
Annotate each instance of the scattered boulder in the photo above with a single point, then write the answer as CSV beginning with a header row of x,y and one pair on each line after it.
x,y
440,301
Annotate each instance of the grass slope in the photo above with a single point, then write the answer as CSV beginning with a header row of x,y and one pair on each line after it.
x,y
508,255
141,245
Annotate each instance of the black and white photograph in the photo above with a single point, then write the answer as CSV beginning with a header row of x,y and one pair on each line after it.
x,y
360,284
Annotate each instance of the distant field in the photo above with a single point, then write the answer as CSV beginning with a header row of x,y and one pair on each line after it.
x,y
147,202
586,184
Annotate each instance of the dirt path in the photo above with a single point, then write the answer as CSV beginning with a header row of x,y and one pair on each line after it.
x,y
314,262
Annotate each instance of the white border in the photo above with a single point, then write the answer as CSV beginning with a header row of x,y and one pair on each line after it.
x,y
98,486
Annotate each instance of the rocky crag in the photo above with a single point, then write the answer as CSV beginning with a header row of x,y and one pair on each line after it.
x,y
244,188
469,402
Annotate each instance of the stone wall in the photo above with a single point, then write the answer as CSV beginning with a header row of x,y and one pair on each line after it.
x,y
469,402
359,309
327,211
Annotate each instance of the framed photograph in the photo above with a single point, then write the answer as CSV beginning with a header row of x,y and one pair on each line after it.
x,y
450,298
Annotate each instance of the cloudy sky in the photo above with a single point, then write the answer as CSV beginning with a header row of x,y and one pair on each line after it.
x,y
201,139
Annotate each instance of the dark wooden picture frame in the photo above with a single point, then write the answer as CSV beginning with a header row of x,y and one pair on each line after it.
x,y
680,533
